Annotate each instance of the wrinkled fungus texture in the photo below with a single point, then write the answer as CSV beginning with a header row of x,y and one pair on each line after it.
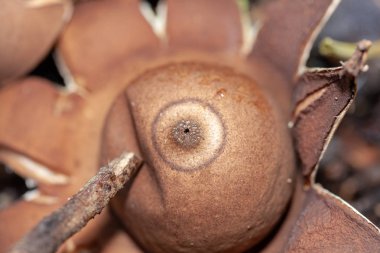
x,y
184,199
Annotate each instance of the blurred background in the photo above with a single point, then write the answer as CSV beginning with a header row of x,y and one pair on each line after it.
x,y
351,165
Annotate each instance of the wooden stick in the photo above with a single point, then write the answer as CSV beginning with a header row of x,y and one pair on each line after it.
x,y
341,50
54,229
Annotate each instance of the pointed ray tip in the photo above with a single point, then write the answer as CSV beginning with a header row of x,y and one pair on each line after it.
x,y
356,63
364,45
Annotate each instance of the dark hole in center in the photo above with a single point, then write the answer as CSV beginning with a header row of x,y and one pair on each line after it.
x,y
186,134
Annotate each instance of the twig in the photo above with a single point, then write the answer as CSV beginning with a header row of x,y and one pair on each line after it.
x,y
341,50
54,229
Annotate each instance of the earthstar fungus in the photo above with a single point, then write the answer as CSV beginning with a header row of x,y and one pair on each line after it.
x,y
231,127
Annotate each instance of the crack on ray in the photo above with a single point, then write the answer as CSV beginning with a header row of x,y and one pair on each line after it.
x,y
157,21
71,85
250,29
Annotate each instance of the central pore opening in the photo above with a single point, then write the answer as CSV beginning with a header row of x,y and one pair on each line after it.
x,y
186,133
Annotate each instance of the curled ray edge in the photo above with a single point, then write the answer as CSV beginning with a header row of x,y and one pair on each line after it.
x,y
321,190
302,68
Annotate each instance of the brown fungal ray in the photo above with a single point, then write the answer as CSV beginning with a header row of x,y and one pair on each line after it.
x,y
288,29
318,221
27,33
101,36
37,119
318,112
322,97
324,222
43,124
213,25
185,199
328,224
